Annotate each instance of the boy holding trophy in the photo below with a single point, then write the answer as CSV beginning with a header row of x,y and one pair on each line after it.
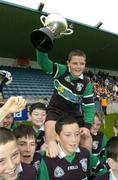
x,y
71,87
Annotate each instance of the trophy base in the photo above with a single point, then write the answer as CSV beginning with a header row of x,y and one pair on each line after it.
x,y
42,39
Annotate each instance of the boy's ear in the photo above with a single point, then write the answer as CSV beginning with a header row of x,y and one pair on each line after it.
x,y
111,163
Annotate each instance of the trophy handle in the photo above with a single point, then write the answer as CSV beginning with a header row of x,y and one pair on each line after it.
x,y
43,19
67,32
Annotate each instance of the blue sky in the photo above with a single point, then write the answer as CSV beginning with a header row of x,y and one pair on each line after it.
x,y
84,11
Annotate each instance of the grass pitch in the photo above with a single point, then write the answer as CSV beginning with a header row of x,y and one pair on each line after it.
x,y
109,123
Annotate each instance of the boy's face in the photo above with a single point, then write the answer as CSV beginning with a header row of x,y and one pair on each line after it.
x,y
9,160
76,65
27,146
96,125
38,117
69,138
7,122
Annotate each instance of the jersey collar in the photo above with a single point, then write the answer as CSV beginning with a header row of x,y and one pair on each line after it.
x,y
63,154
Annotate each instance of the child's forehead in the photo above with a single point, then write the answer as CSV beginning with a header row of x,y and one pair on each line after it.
x,y
70,127
78,58
9,116
26,138
9,147
39,110
97,119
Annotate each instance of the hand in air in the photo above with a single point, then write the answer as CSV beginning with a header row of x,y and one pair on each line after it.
x,y
15,104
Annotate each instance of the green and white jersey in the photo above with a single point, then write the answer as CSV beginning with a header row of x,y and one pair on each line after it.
x,y
69,91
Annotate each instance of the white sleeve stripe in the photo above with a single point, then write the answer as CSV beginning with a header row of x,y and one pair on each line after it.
x,y
57,70
88,104
88,96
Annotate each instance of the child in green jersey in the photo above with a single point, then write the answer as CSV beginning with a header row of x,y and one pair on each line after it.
x,y
73,162
99,138
71,87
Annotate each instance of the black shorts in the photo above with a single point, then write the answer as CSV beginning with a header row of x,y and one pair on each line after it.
x,y
55,113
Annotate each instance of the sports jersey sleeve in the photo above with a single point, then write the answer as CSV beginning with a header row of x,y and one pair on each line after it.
x,y
49,66
88,106
96,166
44,62
103,157
43,171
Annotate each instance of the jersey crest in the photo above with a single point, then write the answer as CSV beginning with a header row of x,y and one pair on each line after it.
x,y
67,78
95,144
58,172
79,86
83,163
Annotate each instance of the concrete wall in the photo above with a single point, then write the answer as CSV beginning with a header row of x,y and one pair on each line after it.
x,y
12,63
112,108
33,64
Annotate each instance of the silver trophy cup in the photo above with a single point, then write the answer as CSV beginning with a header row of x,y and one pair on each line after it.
x,y
55,26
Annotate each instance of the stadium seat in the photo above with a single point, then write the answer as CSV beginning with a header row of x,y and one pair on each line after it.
x,y
32,83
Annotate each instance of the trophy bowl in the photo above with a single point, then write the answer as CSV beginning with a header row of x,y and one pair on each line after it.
x,y
42,39
55,26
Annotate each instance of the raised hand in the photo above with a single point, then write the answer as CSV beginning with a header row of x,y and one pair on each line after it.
x,y
13,104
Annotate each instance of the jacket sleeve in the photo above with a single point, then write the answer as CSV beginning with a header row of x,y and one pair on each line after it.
x,y
88,106
43,171
48,66
96,166
103,157
44,62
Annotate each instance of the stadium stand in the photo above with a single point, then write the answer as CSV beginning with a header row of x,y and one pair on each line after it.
x,y
30,83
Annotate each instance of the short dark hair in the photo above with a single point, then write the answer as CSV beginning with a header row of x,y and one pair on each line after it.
x,y
6,135
64,120
24,130
76,52
37,106
112,148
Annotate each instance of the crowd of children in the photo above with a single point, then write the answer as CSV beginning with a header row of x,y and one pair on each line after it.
x,y
23,152
63,141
